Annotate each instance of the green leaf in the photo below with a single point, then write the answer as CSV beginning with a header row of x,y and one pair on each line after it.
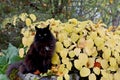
x,y
14,59
3,77
3,69
3,60
10,55
4,51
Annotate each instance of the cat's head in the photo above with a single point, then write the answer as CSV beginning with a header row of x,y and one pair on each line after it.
x,y
42,34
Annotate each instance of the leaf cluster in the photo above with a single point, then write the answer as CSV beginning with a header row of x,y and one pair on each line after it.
x,y
8,56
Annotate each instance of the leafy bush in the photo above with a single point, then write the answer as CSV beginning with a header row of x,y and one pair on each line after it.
x,y
8,56
88,49
84,48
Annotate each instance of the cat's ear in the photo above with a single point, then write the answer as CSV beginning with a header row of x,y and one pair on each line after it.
x,y
36,28
48,26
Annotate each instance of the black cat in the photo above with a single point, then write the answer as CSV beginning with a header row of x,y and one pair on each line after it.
x,y
39,54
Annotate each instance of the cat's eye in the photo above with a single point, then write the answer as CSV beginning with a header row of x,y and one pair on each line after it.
x,y
45,34
39,35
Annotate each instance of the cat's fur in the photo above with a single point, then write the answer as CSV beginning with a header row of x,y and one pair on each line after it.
x,y
39,54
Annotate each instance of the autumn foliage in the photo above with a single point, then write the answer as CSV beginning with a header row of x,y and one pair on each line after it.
x,y
90,48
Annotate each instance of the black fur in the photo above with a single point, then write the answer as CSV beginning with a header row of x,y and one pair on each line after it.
x,y
40,52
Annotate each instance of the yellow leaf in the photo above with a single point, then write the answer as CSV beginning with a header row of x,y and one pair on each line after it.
x,y
84,72
101,31
62,37
112,61
59,78
30,40
24,41
81,43
88,51
104,63
66,71
92,77
117,76
93,35
67,43
68,28
59,46
99,42
23,31
69,65
74,37
26,33
66,76
63,53
55,59
33,17
73,21
21,52
77,64
106,53
106,75
96,70
83,59
23,16
61,68
72,54
65,60
89,43
91,62
28,21
14,20
77,51
113,68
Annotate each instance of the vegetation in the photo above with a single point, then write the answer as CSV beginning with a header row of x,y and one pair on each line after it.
x,y
106,10
13,16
